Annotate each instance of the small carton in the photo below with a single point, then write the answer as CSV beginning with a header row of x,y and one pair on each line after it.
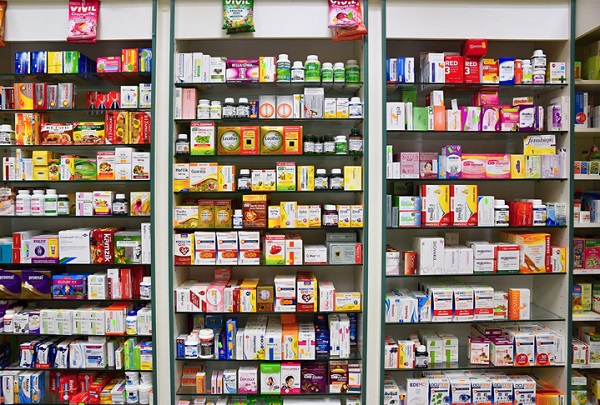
x,y
519,303
435,205
463,203
254,211
227,248
274,249
524,346
286,176
202,138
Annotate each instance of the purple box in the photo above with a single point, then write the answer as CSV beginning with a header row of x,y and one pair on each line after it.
x,y
490,118
10,283
551,167
242,70
35,321
555,118
509,119
471,118
539,118
527,118
69,287
44,249
36,284
450,162
314,378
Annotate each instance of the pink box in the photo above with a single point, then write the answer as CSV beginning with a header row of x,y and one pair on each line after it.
x,y
490,118
474,166
485,97
497,166
190,104
242,70
509,119
409,165
108,64
215,296
471,118
290,378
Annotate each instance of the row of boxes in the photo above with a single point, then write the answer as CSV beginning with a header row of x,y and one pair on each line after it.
x,y
251,249
64,62
38,96
586,253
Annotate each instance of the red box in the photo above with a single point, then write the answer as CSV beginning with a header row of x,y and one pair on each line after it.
x,y
85,380
475,47
455,68
409,258
141,127
472,70
40,96
67,385
521,213
113,99
116,126
102,245
125,277
137,276
91,97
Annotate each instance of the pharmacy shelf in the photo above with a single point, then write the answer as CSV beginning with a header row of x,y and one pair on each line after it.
x,y
471,88
272,313
586,316
274,122
589,85
584,130
479,227
586,272
82,370
512,274
15,182
73,334
537,314
466,135
467,366
588,177
586,225
73,217
242,192
595,366
115,265
354,355
467,181
269,158
84,80
63,302
92,111
191,391
269,266
326,229
279,88
65,148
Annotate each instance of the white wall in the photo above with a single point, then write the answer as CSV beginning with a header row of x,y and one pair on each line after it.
x,y
587,18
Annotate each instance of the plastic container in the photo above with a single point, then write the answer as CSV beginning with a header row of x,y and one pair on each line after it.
x,y
283,68
132,378
518,71
355,142
229,108
146,288
539,213
243,108
329,145
131,323
318,145
330,216
51,203
215,110
527,72
237,219
9,327
336,180
182,145
355,108
327,73
341,145
244,180
421,357
23,203
132,394
64,205
206,348
538,60
6,134
144,393
339,72
120,205
146,378
352,71
321,180
539,76
308,144
203,109
501,213
297,72
191,346
312,69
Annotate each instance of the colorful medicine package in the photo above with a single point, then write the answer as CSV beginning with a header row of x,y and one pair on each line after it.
x,y
346,20
238,16
2,13
83,21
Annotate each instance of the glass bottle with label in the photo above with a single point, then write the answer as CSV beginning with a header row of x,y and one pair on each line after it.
x,y
229,108
182,145
120,205
355,142
243,108
336,180
64,205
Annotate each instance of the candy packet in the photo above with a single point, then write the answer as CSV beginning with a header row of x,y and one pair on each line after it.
x,y
346,20
238,17
83,21
2,12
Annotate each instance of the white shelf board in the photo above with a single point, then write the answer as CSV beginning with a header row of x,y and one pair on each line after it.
x,y
586,272
595,366
587,177
590,225
586,316
584,130
587,84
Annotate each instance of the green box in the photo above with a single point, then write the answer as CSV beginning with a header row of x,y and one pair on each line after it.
x,y
591,68
128,247
71,61
420,119
270,378
85,169
409,96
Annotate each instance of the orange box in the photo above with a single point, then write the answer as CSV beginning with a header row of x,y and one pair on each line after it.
x,y
519,303
129,60
27,128
250,140
23,96
439,118
292,140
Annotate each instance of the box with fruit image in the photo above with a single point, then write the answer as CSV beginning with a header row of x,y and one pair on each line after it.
x,y
116,127
128,247
140,127
274,249
55,133
85,133
286,176
140,204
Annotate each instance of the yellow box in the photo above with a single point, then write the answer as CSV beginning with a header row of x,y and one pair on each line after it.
x,y
23,96
532,251
290,342
463,204
347,301
356,216
206,213
286,176
226,178
288,214
539,145
343,216
248,295
559,259
314,216
203,177
352,178
302,216
517,166
54,170
41,173
281,140
223,212
181,177
274,216
267,69
200,382
54,62
41,157
269,180
229,140
250,138
185,216
306,178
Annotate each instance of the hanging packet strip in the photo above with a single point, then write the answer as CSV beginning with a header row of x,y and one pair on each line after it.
x,y
238,16
83,21
2,12
346,20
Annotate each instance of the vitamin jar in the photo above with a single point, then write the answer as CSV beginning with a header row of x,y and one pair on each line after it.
x,y
330,215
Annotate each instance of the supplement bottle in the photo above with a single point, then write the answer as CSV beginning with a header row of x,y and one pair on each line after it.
x,y
182,145
341,145
355,108
327,73
330,215
146,288
539,76
120,205
244,180
538,60
312,69
51,203
64,205
37,203
206,345
321,180
318,145
283,68
336,180
308,145
23,203
539,213
238,219
243,108
421,357
191,346
9,327
215,110
501,213
352,71
355,142
518,71
527,72
297,73
131,323
329,145
203,109
132,394
229,109
339,72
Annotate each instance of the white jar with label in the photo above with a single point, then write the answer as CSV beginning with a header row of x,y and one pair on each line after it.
x,y
501,213
203,109
206,344
191,346
64,205
355,108
131,323
23,203
37,203
146,288
539,213
9,327
51,203
215,110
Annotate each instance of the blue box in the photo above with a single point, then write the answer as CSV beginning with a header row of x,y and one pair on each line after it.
x,y
391,70
145,60
6,252
38,62
581,109
401,70
22,63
